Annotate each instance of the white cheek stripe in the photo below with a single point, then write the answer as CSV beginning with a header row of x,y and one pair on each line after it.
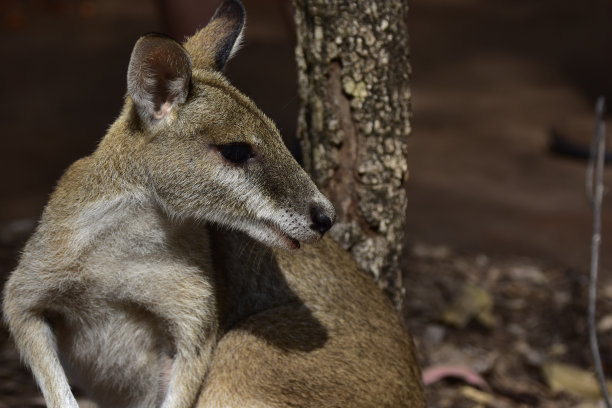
x,y
263,212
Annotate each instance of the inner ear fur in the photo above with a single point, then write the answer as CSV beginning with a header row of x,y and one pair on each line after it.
x,y
215,44
158,76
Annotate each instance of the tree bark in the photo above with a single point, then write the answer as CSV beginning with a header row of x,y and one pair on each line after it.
x,y
353,75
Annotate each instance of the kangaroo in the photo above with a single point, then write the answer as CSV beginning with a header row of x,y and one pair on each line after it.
x,y
181,264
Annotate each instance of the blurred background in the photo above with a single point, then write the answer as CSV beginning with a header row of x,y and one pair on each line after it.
x,y
492,80
494,83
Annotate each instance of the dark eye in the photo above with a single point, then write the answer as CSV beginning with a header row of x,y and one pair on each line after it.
x,y
237,153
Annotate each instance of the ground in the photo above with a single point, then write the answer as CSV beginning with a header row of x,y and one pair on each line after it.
x,y
519,323
498,232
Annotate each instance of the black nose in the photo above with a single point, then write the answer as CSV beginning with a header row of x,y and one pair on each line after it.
x,y
320,221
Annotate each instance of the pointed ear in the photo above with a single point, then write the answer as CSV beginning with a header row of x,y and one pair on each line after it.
x,y
213,45
158,76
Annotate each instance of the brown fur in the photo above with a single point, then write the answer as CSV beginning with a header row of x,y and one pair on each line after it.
x,y
150,254
305,329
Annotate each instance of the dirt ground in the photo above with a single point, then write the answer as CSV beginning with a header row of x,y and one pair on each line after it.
x,y
498,227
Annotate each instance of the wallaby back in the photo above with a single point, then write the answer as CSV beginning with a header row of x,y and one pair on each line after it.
x,y
306,329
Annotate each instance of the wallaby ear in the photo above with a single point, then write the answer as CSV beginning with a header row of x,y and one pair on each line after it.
x,y
158,76
213,45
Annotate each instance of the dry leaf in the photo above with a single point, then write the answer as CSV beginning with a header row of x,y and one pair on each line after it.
x,y
566,378
605,324
478,396
472,302
436,373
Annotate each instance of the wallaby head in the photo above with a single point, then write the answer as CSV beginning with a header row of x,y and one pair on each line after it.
x,y
207,152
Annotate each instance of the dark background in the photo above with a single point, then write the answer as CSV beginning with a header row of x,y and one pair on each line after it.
x,y
492,80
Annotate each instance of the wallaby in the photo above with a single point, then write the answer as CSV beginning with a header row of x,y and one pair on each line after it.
x,y
166,269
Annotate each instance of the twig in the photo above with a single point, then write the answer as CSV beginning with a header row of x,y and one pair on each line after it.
x,y
594,185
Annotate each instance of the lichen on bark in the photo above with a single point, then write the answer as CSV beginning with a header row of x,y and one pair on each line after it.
x,y
353,82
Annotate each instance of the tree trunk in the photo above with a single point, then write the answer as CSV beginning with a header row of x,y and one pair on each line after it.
x,y
353,75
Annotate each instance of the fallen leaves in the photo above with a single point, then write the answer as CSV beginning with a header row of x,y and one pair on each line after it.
x,y
567,378
434,374
472,302
516,325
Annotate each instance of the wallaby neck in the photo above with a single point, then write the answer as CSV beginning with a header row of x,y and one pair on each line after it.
x,y
247,274
102,209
